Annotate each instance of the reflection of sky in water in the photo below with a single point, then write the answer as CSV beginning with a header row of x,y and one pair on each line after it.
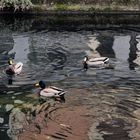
x,y
21,48
57,56
121,47
75,43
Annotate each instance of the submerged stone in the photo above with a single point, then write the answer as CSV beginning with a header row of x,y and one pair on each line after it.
x,y
10,92
8,107
17,121
18,102
1,120
13,97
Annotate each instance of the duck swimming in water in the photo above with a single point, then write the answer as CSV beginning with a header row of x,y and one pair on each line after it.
x,y
14,68
95,62
51,91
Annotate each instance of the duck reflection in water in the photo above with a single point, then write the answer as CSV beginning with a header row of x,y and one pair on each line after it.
x,y
10,79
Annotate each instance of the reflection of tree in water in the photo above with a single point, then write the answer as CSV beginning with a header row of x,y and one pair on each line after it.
x,y
133,52
18,23
105,47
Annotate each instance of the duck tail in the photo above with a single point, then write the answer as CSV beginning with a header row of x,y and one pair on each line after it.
x,y
61,92
62,97
106,60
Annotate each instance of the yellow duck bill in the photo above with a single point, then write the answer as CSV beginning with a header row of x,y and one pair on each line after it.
x,y
37,84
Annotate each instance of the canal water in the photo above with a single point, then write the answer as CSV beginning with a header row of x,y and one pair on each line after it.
x,y
53,48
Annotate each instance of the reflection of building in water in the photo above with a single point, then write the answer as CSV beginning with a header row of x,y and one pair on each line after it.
x,y
121,47
6,45
105,46
133,54
126,49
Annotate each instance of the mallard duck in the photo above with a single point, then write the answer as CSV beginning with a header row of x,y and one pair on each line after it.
x,y
14,68
95,62
51,91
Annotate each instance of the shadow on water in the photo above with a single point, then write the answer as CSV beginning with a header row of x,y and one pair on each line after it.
x,y
52,49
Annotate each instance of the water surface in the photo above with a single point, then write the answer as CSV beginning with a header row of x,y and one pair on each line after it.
x,y
54,52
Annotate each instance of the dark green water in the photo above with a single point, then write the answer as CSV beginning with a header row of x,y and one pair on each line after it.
x,y
52,49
